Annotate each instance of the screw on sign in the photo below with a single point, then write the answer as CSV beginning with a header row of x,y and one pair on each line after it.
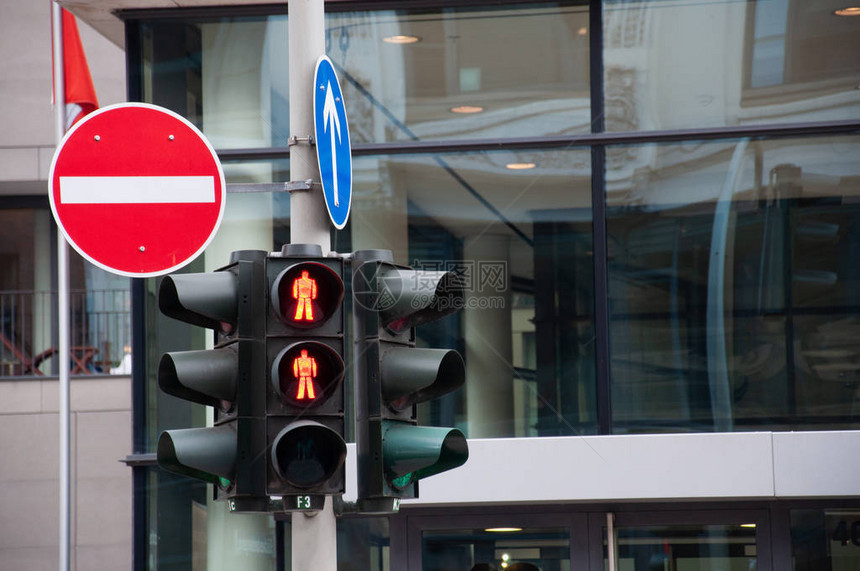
x,y
137,190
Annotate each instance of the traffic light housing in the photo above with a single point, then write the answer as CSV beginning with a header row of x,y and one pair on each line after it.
x,y
392,375
231,301
305,374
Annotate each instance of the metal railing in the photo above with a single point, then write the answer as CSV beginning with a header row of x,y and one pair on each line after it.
x,y
100,335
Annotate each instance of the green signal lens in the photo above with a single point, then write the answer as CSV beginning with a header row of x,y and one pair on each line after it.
x,y
402,481
224,482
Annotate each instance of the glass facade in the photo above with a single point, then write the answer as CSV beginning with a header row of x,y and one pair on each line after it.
x,y
683,65
653,217
731,284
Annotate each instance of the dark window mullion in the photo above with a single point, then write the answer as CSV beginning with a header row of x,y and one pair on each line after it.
x,y
598,213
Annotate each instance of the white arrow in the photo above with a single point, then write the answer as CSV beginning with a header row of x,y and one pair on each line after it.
x,y
330,116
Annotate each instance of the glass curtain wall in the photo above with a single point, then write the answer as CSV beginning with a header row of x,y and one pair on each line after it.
x,y
723,261
732,290
433,75
515,223
729,285
687,65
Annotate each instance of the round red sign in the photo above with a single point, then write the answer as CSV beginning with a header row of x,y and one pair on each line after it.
x,y
137,189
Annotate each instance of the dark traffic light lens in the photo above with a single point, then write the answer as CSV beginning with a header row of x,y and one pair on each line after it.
x,y
306,454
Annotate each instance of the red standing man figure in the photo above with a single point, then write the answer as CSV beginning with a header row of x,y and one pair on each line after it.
x,y
305,370
304,291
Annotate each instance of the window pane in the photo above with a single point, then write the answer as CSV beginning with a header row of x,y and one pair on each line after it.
x,y
505,71
680,65
825,540
228,76
732,285
363,543
27,294
521,238
99,304
496,548
687,547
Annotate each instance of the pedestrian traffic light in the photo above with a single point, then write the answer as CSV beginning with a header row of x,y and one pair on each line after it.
x,y
305,371
230,301
392,375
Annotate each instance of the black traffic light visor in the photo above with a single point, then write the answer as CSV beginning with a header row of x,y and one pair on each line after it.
x,y
207,454
208,300
205,377
408,298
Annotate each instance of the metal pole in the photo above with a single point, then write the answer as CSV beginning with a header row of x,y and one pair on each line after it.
x,y
309,222
611,543
314,537
62,304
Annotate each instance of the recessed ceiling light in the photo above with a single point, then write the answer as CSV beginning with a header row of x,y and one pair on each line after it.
x,y
520,166
503,529
467,109
401,39
848,11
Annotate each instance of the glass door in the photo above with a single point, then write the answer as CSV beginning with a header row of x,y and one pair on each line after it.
x,y
516,542
684,541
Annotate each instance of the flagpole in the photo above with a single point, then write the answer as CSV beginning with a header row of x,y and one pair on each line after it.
x,y
62,304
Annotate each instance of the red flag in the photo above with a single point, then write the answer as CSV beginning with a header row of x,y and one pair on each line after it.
x,y
80,93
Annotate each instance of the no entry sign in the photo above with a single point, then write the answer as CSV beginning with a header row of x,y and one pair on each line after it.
x,y
137,190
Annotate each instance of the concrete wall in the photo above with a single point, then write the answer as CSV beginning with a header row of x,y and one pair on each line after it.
x,y
29,422
26,114
29,474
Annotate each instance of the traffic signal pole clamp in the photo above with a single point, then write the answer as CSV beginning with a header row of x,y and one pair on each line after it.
x,y
392,376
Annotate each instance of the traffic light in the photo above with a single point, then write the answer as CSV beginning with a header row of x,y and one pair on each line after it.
x,y
392,375
305,372
231,301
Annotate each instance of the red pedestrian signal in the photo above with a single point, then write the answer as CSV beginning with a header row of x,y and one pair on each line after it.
x,y
304,292
305,370
307,373
304,351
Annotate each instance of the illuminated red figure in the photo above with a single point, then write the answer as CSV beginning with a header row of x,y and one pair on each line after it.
x,y
304,291
305,370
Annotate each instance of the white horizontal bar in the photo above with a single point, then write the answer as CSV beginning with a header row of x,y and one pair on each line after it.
x,y
136,189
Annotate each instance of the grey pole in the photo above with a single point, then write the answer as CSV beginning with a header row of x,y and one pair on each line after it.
x,y
314,537
62,305
309,223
